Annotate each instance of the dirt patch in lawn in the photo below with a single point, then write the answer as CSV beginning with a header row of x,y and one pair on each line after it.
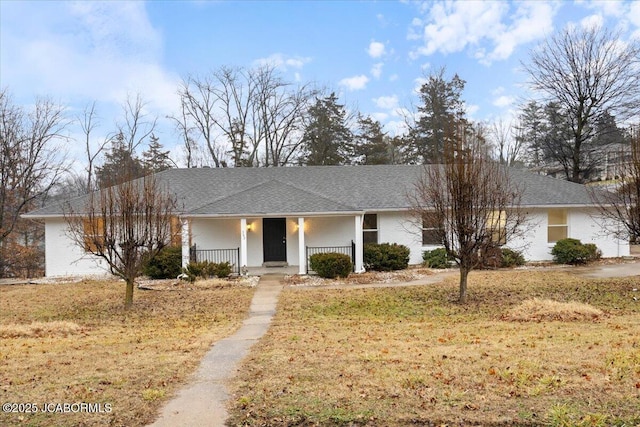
x,y
72,343
414,356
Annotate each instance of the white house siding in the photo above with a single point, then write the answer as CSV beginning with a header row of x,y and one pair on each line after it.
x,y
329,231
586,225
583,224
65,258
399,227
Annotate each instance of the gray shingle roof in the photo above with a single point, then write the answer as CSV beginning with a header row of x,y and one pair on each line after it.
x,y
322,189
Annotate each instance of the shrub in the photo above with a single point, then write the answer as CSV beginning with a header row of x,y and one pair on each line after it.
x,y
436,258
572,251
207,269
167,264
385,256
331,265
221,270
511,258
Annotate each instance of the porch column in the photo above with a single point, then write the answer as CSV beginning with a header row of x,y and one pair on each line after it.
x,y
185,243
243,243
358,267
302,253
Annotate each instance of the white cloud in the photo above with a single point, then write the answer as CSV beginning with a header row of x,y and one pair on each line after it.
x,y
393,77
376,70
616,9
283,62
381,117
88,51
376,49
634,13
355,82
592,21
490,31
471,109
503,101
532,21
386,102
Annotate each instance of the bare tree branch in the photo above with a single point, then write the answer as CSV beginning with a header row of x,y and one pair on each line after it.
x,y
470,200
124,224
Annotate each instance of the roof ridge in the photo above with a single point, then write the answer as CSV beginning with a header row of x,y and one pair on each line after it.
x,y
316,193
281,182
231,195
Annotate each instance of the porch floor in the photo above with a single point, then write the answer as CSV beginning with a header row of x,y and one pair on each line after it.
x,y
259,271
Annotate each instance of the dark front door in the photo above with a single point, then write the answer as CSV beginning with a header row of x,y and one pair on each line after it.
x,y
274,239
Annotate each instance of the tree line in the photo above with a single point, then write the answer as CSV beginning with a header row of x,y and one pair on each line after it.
x,y
584,82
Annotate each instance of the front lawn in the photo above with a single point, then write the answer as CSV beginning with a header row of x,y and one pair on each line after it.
x,y
412,355
74,343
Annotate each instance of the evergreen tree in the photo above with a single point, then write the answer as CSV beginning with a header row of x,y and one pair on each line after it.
x,y
154,159
371,144
120,165
327,139
441,106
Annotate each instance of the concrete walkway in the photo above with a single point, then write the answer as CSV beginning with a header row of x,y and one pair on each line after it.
x,y
202,402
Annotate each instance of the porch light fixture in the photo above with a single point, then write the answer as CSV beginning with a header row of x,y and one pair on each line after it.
x,y
249,227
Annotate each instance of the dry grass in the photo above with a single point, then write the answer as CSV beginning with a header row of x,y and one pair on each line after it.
x,y
407,356
68,343
536,310
40,329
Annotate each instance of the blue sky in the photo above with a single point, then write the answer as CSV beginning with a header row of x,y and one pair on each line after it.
x,y
372,53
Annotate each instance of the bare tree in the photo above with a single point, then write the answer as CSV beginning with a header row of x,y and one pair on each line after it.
x,y
186,130
251,117
622,205
470,202
136,125
279,113
88,122
123,224
198,122
506,142
586,73
31,163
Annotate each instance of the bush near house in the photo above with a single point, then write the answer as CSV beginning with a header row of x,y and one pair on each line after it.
x,y
573,251
207,269
331,265
385,256
436,258
512,258
495,258
167,264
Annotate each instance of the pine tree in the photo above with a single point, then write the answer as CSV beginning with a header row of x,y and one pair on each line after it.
x,y
371,144
327,139
154,159
120,165
441,105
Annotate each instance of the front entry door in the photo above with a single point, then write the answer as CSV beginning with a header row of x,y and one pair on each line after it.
x,y
274,239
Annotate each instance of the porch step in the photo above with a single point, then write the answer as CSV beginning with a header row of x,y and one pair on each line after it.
x,y
270,264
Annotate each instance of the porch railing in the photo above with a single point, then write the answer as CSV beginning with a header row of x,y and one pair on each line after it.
x,y
232,256
347,250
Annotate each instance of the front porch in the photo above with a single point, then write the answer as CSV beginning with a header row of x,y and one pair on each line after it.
x,y
258,244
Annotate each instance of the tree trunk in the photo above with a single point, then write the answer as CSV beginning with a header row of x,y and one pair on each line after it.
x,y
128,297
464,273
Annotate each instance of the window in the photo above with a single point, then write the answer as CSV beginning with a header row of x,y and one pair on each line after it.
x,y
431,230
497,222
370,229
93,234
557,229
